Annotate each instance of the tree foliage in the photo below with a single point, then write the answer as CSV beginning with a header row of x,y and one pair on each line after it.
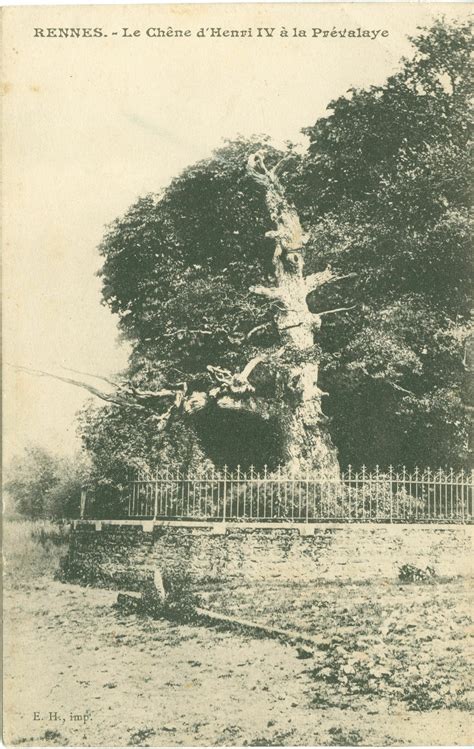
x,y
386,184
43,485
178,267
383,191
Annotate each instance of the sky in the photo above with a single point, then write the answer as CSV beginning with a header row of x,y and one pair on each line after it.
x,y
91,124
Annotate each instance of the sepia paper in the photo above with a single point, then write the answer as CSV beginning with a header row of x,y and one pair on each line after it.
x,y
316,625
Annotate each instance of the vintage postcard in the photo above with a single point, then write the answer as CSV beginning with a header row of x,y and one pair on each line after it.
x,y
238,357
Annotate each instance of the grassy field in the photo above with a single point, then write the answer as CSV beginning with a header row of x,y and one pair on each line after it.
x,y
391,666
32,549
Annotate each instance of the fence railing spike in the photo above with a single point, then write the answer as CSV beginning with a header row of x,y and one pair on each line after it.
x,y
180,491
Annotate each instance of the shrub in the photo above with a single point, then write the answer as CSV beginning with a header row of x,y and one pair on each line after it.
x,y
43,485
329,500
408,573
181,600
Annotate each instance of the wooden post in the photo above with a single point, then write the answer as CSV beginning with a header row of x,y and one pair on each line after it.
x,y
224,498
155,508
83,502
390,470
307,496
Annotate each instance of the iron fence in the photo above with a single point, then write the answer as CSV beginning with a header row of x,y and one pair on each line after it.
x,y
393,496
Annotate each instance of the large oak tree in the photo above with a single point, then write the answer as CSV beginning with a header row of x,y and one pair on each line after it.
x,y
224,281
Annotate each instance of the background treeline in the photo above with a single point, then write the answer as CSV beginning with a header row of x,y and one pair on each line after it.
x,y
40,484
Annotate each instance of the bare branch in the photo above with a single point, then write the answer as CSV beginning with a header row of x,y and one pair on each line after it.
x,y
346,275
399,387
219,374
326,276
269,292
318,279
332,311
288,234
395,385
249,367
278,168
238,382
195,402
124,395
163,393
289,327
187,330
162,421
108,397
91,374
260,172
257,329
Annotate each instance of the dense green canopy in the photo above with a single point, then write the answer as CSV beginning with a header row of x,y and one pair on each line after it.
x,y
386,185
178,267
383,190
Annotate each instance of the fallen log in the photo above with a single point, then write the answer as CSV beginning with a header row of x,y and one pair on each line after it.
x,y
153,600
211,618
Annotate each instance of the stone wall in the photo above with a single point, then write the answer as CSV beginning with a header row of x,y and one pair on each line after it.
x,y
122,555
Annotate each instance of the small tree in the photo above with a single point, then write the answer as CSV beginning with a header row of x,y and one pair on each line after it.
x,y
43,485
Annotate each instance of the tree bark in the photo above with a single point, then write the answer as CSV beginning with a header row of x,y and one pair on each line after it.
x,y
306,441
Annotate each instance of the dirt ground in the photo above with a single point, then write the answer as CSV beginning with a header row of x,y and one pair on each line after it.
x,y
391,668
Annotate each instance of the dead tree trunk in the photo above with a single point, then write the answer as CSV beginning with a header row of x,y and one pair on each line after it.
x,y
306,441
